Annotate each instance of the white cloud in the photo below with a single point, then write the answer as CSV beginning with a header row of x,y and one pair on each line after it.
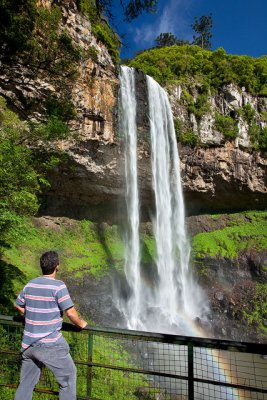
x,y
173,18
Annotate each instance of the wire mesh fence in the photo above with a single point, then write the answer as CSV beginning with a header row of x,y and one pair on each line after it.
x,y
129,365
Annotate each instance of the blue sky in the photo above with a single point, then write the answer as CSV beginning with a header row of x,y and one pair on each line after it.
x,y
240,26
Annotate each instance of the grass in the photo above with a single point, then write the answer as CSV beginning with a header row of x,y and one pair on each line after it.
x,y
82,246
242,231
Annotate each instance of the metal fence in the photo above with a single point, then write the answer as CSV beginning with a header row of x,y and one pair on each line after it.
x,y
130,365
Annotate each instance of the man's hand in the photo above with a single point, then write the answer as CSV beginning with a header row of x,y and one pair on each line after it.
x,y
20,309
75,319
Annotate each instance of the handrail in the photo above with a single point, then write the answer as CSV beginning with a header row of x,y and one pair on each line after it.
x,y
211,343
187,347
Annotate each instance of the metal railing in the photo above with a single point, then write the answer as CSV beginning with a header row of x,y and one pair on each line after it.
x,y
131,365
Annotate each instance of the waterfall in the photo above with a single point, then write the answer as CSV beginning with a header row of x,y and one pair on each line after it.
x,y
127,122
175,300
178,296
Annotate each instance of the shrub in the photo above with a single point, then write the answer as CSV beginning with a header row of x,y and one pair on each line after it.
x,y
189,138
248,113
263,139
215,69
200,106
226,125
104,33
61,107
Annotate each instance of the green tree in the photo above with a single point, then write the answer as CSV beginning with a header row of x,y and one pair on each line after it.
x,y
131,8
166,39
202,26
23,168
17,19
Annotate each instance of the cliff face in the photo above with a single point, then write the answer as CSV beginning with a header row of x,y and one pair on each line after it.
x,y
93,90
218,175
223,179
221,176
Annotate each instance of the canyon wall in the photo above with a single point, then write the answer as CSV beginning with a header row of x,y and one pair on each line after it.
x,y
218,174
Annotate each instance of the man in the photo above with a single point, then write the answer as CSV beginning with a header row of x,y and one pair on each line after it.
x,y
43,301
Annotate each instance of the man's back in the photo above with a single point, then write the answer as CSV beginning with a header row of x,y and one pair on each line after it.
x,y
44,300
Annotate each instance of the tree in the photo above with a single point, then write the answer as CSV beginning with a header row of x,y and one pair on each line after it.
x,y
131,8
202,26
23,167
169,39
166,39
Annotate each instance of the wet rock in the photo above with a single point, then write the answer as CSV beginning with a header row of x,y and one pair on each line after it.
x,y
219,296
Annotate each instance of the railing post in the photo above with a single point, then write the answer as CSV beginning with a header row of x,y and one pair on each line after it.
x,y
89,368
190,359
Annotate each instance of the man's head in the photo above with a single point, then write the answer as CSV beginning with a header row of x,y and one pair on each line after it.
x,y
48,262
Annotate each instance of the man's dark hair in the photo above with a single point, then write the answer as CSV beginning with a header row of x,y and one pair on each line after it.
x,y
48,262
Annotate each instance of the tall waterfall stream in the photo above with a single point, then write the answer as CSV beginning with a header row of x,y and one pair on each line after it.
x,y
175,300
171,302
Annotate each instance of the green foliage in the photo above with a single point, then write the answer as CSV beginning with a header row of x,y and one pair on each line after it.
x,y
136,7
226,125
178,126
62,108
263,115
245,231
19,178
104,33
202,26
130,9
93,53
100,28
248,113
214,69
200,106
33,31
105,383
89,8
166,39
17,19
188,138
53,129
258,136
262,140
22,169
255,312
83,248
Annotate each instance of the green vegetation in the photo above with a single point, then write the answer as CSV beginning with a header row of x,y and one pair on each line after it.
x,y
105,383
104,33
257,134
214,69
202,26
23,172
256,311
188,138
169,39
83,247
226,125
33,31
100,27
244,231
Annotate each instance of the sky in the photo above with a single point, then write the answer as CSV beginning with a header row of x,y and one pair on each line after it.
x,y
239,26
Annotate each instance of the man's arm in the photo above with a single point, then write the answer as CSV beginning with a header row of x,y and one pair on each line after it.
x,y
20,309
74,317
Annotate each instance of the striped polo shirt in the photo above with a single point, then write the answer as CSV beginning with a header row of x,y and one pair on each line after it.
x,y
44,300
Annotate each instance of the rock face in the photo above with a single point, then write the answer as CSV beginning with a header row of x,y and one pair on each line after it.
x,y
223,179
219,176
215,179
93,92
230,101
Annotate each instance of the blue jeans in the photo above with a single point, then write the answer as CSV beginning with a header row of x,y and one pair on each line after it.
x,y
56,357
